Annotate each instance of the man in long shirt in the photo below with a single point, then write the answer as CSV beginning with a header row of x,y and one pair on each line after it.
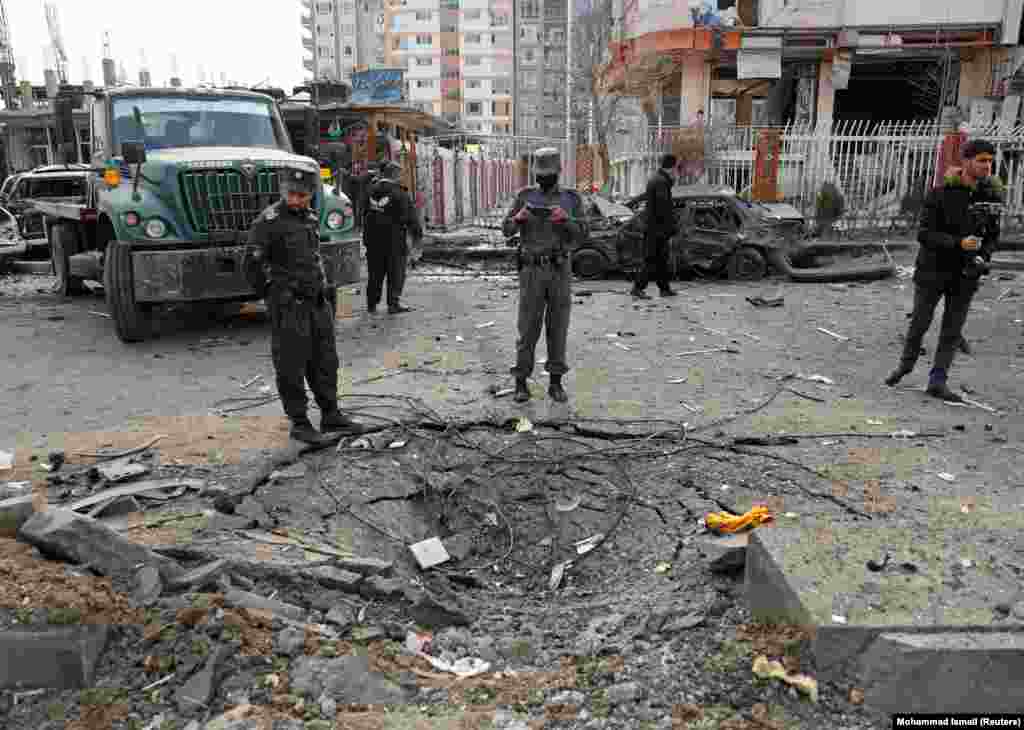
x,y
284,265
548,219
661,226
390,218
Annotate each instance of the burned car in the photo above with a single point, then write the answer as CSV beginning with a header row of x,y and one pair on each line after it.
x,y
65,183
12,245
720,234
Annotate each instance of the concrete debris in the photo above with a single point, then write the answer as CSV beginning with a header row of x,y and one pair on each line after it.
x,y
148,586
295,471
66,535
155,489
331,577
382,588
289,641
346,680
198,577
683,623
254,602
14,512
341,617
431,614
195,696
60,658
121,470
727,553
116,507
367,566
429,553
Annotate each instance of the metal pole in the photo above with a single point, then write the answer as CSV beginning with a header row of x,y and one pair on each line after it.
x,y
570,147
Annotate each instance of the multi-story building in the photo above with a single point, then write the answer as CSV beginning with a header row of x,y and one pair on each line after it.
x,y
345,35
541,60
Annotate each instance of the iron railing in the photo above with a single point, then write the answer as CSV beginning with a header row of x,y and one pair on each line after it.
x,y
218,201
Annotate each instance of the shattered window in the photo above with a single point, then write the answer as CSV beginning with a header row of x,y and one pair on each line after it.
x,y
56,187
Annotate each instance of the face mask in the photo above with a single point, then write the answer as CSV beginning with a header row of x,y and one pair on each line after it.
x,y
547,181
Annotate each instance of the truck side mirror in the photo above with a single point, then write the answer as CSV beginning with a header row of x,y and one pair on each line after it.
x,y
134,152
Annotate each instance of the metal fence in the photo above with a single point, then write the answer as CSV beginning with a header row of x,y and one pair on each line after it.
x,y
882,169
471,179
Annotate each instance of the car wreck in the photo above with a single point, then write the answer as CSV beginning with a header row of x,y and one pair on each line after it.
x,y
721,234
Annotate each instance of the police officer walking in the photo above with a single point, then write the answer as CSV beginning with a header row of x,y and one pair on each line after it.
x,y
957,238
661,226
548,219
284,264
390,215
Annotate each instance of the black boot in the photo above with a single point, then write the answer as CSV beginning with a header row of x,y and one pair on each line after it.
x,y
640,294
964,347
937,387
669,292
302,430
556,391
522,391
904,369
335,420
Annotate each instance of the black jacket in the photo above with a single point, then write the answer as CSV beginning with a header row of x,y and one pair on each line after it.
x,y
390,212
284,249
944,223
661,216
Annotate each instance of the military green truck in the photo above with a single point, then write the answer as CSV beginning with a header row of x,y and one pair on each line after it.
x,y
177,178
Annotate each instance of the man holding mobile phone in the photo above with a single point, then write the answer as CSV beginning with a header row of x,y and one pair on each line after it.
x,y
959,231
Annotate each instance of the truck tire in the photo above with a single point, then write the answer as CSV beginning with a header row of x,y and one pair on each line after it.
x,y
133,323
747,264
589,263
64,244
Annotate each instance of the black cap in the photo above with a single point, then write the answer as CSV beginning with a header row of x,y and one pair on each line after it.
x,y
300,180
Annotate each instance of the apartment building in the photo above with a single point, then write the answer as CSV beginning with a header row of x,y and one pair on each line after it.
x,y
345,35
541,48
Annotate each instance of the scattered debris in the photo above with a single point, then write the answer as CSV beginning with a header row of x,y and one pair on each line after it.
x,y
676,381
766,441
149,490
876,567
726,553
730,350
116,507
429,553
397,444
431,614
621,346
690,408
523,425
946,476
587,544
833,335
567,503
815,379
485,325
249,382
557,574
122,470
100,314
766,669
760,301
6,460
294,471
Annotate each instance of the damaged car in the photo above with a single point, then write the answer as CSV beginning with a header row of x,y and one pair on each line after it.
x,y
721,234
61,183
12,245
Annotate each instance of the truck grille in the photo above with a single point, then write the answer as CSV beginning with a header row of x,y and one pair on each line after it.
x,y
226,200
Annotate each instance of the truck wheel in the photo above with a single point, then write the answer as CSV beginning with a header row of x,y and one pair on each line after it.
x,y
63,244
747,264
132,322
589,264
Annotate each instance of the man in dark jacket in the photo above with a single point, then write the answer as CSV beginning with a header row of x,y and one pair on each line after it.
x,y
549,220
284,265
661,226
957,237
390,216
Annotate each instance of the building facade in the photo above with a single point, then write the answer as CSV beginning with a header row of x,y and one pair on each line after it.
x,y
344,36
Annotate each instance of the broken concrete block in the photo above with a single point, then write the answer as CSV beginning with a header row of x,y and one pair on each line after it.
x,y
121,470
116,507
727,553
433,615
384,588
67,535
148,586
944,672
59,658
331,577
195,695
367,566
254,602
429,552
347,680
14,512
198,577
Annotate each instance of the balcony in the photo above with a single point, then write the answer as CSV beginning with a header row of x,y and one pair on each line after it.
x,y
308,43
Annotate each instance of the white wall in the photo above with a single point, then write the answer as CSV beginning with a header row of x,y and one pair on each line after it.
x,y
852,13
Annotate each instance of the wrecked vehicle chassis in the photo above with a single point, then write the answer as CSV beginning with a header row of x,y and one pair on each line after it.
x,y
721,234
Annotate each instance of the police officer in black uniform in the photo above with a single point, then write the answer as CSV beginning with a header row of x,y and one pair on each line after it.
x,y
390,215
284,264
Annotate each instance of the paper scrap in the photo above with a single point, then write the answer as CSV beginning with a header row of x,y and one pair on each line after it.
x,y
766,669
485,324
397,444
523,425
946,476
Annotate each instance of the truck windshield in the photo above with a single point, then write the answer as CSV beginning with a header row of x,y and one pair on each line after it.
x,y
195,121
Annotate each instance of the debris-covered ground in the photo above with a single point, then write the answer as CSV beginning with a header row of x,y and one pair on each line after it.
x,y
576,590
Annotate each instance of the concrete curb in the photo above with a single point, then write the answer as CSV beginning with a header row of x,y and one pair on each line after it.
x,y
58,658
941,666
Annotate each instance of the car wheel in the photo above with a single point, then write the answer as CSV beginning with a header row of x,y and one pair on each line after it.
x,y
589,264
747,264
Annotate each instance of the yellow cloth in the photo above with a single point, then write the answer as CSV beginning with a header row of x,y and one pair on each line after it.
x,y
728,522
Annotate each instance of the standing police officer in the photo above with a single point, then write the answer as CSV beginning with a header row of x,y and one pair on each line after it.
x,y
549,220
957,238
284,264
390,214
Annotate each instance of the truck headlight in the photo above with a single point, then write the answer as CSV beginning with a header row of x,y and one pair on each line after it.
x,y
155,228
335,220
